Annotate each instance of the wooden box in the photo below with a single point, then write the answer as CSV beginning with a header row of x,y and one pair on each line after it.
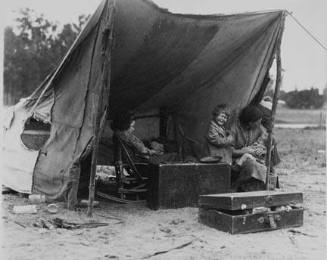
x,y
246,212
179,185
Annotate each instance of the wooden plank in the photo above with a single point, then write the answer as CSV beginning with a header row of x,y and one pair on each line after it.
x,y
243,224
249,200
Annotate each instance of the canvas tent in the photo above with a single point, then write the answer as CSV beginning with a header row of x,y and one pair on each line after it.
x,y
134,55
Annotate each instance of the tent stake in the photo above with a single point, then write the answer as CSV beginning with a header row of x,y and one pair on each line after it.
x,y
274,106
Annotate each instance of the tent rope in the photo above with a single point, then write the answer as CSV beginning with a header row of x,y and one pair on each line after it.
x,y
307,31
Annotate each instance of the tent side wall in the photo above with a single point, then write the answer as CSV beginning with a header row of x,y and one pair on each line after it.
x,y
18,154
17,161
77,93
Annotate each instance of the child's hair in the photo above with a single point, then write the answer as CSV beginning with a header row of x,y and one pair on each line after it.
x,y
221,108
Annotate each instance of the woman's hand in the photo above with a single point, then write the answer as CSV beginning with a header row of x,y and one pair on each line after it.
x,y
152,152
248,150
240,152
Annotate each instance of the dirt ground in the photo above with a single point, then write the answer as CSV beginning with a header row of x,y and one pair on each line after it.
x,y
136,232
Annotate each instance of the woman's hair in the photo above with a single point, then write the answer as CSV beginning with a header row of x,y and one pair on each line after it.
x,y
220,108
122,121
250,114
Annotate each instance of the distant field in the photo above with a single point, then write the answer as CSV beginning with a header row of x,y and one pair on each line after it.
x,y
300,116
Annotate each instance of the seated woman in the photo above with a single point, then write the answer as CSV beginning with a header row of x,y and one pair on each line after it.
x,y
123,127
220,140
249,150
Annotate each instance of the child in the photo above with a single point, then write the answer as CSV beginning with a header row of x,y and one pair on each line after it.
x,y
219,140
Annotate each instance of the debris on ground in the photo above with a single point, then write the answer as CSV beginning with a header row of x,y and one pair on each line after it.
x,y
60,223
19,224
293,231
42,223
176,221
25,209
167,251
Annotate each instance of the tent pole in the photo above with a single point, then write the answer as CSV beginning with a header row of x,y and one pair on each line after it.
x,y
107,40
98,131
270,182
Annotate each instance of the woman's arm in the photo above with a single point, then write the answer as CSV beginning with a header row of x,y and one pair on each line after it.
x,y
135,143
241,151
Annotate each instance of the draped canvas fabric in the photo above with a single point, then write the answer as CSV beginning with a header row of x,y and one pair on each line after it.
x,y
185,63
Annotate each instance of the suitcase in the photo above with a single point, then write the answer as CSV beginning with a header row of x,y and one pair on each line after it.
x,y
246,212
180,184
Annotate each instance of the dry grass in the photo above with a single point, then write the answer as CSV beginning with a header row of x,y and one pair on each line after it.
x,y
300,116
300,148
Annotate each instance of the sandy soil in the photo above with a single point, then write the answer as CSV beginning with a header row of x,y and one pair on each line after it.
x,y
135,232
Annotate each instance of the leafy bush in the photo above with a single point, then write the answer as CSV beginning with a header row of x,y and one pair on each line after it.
x,y
304,99
32,49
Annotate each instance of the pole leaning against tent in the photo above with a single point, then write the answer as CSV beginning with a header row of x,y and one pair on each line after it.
x,y
100,118
274,105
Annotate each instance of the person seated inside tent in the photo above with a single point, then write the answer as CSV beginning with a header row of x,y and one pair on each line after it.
x,y
265,107
219,139
123,126
249,150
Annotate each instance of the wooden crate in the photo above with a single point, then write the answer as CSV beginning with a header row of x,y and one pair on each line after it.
x,y
247,212
179,185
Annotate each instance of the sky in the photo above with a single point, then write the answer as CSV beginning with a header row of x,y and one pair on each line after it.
x,y
304,62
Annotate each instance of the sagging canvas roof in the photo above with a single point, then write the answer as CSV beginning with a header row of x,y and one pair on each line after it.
x,y
134,55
